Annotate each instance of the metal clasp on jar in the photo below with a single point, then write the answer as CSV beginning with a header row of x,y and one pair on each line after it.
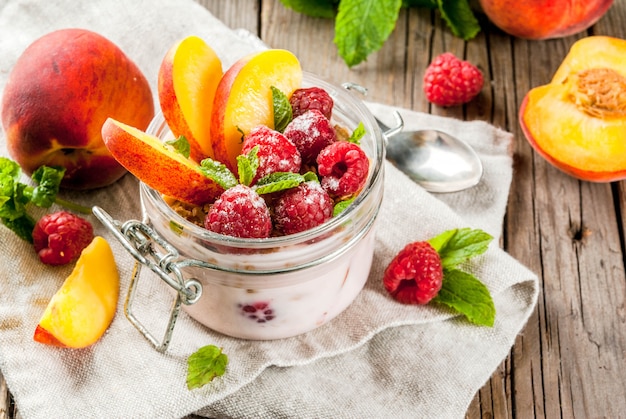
x,y
143,243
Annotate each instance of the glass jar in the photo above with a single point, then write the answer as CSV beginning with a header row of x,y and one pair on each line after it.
x,y
280,287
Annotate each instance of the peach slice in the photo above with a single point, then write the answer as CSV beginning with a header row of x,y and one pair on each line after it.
x,y
83,308
158,166
243,99
577,122
188,77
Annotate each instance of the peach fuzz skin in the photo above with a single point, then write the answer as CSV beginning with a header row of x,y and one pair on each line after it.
x,y
544,19
243,99
58,95
165,170
187,80
83,308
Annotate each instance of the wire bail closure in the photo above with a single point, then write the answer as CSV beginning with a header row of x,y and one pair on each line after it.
x,y
139,240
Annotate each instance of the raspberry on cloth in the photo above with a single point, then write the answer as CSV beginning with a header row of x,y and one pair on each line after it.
x,y
378,343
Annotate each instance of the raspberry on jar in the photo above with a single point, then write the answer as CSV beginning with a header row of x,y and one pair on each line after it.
x,y
301,208
239,212
344,167
276,152
306,99
60,237
310,132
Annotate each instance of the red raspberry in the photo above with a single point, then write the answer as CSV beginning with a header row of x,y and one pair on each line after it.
x,y
301,208
449,81
305,99
343,167
310,132
276,152
60,237
239,212
415,275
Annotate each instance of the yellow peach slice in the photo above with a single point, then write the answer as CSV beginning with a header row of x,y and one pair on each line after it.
x,y
187,80
158,166
243,99
82,309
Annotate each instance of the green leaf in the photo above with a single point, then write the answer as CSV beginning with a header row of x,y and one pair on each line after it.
x,y
278,181
204,365
314,8
357,134
465,294
341,206
430,4
247,165
218,172
180,145
459,17
458,245
22,226
49,181
362,26
283,114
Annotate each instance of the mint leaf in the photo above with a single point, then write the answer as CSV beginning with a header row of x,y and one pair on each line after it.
x,y
22,226
49,182
278,181
314,8
204,365
459,17
341,206
465,294
283,114
458,245
218,172
430,4
362,26
247,165
180,145
357,134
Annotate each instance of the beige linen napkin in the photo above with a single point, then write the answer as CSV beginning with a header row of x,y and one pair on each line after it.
x,y
377,359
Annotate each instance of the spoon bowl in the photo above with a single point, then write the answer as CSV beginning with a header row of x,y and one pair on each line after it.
x,y
434,159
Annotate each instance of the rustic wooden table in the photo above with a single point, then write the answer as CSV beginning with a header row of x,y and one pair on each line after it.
x,y
569,361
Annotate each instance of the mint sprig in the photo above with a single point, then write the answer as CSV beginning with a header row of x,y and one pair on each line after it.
x,y
363,26
283,113
180,145
462,291
15,196
204,365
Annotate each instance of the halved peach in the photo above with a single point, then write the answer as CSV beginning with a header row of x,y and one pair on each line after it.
x,y
243,99
188,77
158,166
577,122
82,309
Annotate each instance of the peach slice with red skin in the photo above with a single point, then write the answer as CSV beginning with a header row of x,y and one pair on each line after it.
x,y
243,99
187,80
158,166
577,122
83,308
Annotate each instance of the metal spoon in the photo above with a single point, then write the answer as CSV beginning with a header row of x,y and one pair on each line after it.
x,y
437,161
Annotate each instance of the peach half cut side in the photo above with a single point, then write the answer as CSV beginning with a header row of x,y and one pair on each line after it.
x,y
187,81
83,308
157,165
243,99
577,122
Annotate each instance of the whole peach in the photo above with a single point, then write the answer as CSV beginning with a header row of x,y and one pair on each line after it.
x,y
59,93
544,19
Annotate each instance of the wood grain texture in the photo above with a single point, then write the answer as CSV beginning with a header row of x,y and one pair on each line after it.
x,y
569,360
